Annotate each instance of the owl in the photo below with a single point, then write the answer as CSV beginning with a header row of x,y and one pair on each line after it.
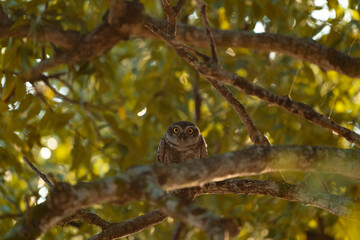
x,y
181,142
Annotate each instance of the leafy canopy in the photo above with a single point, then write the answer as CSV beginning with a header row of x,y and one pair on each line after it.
x,y
98,117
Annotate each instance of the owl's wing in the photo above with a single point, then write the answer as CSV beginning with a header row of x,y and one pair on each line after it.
x,y
203,150
161,151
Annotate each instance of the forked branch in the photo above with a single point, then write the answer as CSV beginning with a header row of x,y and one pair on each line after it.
x,y
172,13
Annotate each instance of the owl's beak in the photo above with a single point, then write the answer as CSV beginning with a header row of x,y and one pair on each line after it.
x,y
182,137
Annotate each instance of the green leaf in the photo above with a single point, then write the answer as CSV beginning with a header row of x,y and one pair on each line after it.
x,y
20,90
8,159
3,107
8,89
122,135
80,154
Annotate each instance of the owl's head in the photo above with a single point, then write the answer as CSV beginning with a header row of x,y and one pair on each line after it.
x,y
183,134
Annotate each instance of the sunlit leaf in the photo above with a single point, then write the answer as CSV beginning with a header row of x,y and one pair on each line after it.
x,y
224,23
8,89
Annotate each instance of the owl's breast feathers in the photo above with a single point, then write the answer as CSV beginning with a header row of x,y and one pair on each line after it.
x,y
170,153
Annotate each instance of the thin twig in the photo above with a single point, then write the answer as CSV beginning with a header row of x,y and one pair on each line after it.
x,y
293,82
323,183
131,226
40,174
86,216
40,95
202,7
67,99
255,135
197,98
178,48
11,215
66,83
204,57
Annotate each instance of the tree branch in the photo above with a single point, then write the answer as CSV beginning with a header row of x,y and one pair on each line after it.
x,y
217,227
99,40
131,226
339,205
40,174
172,13
300,48
85,104
202,6
258,160
65,199
255,135
87,217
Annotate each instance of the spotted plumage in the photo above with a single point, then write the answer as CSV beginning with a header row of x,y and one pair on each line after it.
x,y
181,142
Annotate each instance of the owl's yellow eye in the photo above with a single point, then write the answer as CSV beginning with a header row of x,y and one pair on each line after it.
x,y
190,131
176,130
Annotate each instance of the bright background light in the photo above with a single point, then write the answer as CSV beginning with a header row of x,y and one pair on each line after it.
x,y
259,28
142,112
52,143
45,153
43,192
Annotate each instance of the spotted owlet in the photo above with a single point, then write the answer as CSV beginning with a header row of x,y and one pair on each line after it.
x,y
181,142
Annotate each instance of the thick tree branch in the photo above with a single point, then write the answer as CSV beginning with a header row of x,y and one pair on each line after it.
x,y
63,202
338,205
59,37
140,183
217,227
300,48
115,28
67,199
257,160
81,214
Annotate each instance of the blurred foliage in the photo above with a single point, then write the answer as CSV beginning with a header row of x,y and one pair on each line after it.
x,y
117,107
